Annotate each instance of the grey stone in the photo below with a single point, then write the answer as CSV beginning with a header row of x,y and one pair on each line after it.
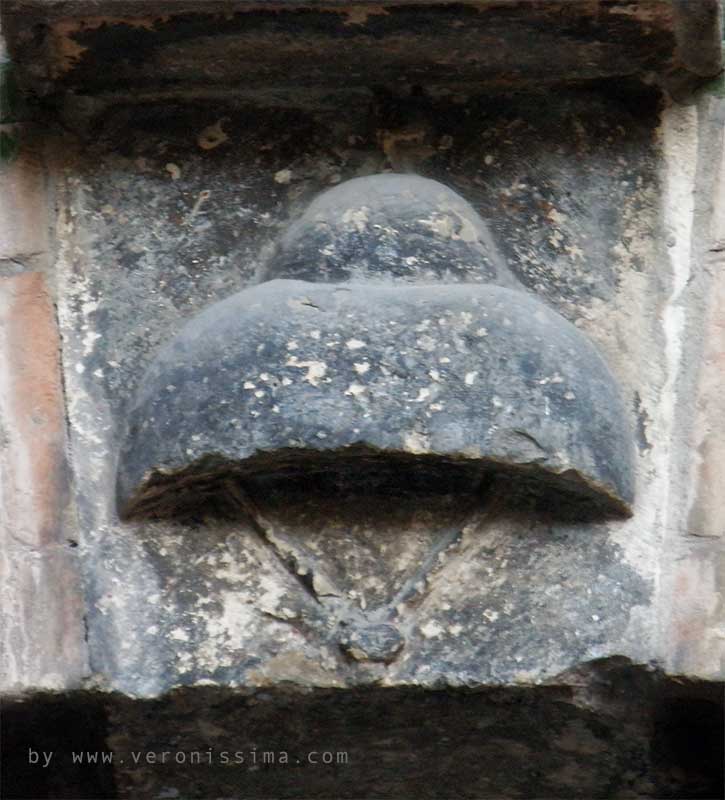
x,y
198,636
381,642
405,228
307,382
172,604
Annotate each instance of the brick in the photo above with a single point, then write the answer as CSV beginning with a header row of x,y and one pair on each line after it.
x,y
23,211
34,481
42,606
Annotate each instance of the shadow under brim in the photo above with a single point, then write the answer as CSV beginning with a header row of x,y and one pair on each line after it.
x,y
207,488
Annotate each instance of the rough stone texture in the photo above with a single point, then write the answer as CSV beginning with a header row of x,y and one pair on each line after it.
x,y
157,231
397,743
612,730
693,580
155,225
24,219
182,44
707,517
291,379
389,227
42,604
525,638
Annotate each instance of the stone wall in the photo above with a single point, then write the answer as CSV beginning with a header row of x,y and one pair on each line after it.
x,y
545,651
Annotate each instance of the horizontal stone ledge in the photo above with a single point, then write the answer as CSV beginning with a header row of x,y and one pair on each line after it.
x,y
616,724
186,45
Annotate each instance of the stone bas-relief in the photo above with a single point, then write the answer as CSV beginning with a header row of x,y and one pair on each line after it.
x,y
392,378
492,648
298,379
394,366
175,602
521,598
392,228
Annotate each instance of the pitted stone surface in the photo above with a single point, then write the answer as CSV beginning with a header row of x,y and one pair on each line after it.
x,y
389,227
149,238
299,379
150,247
380,642
42,645
139,46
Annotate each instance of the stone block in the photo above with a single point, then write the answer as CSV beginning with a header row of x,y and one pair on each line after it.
x,y
133,46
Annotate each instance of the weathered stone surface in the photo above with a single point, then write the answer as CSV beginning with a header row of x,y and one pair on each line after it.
x,y
396,743
450,649
513,623
376,642
693,578
707,516
24,219
177,46
628,733
42,606
157,228
389,227
292,379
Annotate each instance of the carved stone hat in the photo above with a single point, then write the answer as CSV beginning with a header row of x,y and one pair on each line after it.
x,y
387,341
